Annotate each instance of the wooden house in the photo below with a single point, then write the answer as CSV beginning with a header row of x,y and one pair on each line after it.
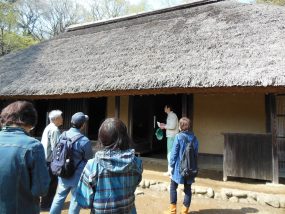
x,y
221,63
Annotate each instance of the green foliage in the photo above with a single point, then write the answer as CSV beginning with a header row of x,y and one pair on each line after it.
x,y
10,37
15,42
8,17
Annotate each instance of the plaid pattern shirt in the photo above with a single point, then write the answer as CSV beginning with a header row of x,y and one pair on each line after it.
x,y
108,182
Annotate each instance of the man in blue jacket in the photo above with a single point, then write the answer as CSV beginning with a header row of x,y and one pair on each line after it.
x,y
82,152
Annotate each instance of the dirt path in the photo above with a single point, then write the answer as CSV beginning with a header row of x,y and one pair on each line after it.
x,y
154,202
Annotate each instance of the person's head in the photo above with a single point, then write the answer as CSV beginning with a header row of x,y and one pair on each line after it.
x,y
113,134
21,114
184,124
55,116
78,120
168,108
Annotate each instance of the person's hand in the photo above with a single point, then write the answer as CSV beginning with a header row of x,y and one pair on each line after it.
x,y
162,125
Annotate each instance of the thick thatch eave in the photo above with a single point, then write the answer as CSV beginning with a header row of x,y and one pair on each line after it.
x,y
219,47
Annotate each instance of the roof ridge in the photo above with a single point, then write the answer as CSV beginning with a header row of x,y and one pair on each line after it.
x,y
139,15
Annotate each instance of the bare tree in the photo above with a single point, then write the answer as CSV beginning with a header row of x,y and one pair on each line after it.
x,y
60,14
44,19
30,14
8,1
103,9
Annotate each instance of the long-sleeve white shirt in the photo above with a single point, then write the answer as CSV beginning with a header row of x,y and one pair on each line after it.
x,y
49,139
171,125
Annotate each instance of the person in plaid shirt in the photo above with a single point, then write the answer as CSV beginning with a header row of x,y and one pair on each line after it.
x,y
109,180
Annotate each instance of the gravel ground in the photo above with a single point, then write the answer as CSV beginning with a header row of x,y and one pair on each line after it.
x,y
155,202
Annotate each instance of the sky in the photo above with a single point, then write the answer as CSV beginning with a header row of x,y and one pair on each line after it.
x,y
157,4
154,4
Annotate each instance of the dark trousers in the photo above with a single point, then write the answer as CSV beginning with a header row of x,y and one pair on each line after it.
x,y
187,191
46,201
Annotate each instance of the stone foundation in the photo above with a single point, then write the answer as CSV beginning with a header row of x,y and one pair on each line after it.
x,y
232,195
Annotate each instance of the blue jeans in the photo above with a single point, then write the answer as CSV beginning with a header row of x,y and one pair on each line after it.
x,y
58,201
173,193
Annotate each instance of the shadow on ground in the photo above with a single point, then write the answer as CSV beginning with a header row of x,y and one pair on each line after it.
x,y
246,210
66,205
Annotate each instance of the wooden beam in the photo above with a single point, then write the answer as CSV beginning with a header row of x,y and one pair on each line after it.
x,y
275,167
117,107
175,90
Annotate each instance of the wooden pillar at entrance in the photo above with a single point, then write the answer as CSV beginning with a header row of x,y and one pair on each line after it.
x,y
275,168
187,107
86,111
184,106
130,116
117,107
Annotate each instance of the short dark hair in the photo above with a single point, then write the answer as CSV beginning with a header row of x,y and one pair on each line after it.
x,y
19,113
184,124
113,134
169,106
76,125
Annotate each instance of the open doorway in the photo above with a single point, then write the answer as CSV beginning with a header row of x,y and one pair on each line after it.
x,y
146,111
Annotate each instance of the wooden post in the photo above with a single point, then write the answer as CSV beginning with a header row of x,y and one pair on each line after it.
x,y
86,111
117,107
268,113
184,105
225,177
130,116
191,109
275,168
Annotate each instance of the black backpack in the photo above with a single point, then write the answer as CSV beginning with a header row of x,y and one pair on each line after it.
x,y
62,163
188,163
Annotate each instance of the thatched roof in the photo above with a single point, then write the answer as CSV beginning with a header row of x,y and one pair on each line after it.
x,y
224,46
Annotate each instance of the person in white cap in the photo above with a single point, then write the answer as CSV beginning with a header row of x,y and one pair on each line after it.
x,y
81,153
49,139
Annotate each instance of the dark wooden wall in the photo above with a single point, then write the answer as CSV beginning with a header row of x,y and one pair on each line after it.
x,y
280,132
248,156
95,108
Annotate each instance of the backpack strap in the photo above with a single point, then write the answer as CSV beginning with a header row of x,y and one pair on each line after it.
x,y
76,138
63,134
73,140
185,138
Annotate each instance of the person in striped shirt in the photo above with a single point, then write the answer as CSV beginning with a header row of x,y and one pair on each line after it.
x,y
109,180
